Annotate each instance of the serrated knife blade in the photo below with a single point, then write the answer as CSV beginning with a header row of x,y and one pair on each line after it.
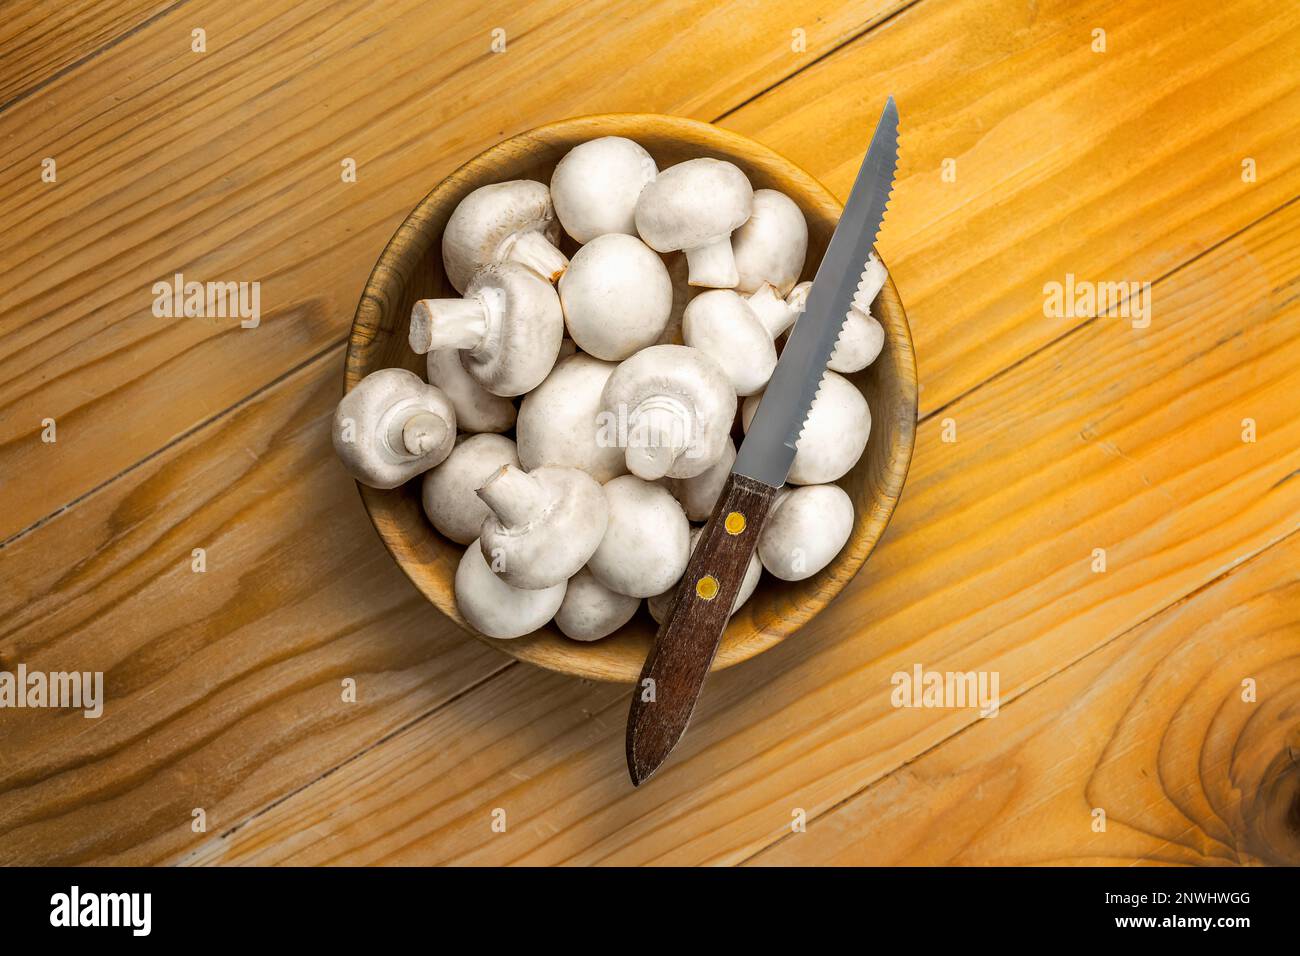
x,y
689,635
769,446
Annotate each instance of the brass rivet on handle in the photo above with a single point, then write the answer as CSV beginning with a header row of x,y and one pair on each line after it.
x,y
735,523
707,587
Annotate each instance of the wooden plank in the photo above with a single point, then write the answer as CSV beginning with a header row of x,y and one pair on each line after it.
x,y
42,40
224,687
226,166
1117,438
1152,730
1112,166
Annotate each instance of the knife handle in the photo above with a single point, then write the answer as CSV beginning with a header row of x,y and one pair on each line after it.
x,y
688,638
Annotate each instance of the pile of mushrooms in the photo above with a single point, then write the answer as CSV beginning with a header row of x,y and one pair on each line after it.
x,y
582,412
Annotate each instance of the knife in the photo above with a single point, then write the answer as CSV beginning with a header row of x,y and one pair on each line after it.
x,y
688,638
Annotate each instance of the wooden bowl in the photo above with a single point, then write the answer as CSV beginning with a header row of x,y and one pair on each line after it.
x,y
410,268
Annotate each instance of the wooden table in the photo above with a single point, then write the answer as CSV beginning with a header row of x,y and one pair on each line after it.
x,y
1150,711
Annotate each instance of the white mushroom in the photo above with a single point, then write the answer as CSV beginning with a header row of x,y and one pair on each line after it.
x,y
596,185
508,328
862,338
778,314
805,529
544,525
392,427
772,244
721,325
871,282
647,543
699,494
477,409
450,492
559,421
859,344
695,206
591,611
671,407
494,608
502,222
616,296
834,435
660,603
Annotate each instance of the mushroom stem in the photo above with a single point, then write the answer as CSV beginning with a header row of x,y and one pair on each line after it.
x,y
532,249
413,431
447,324
659,428
515,497
772,310
713,264
423,432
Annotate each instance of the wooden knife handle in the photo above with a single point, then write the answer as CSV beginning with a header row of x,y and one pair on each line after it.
x,y
690,633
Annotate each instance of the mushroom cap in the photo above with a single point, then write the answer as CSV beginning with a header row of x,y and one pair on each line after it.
x,y
550,539
859,344
591,611
805,529
489,216
772,244
834,434
700,493
692,204
722,325
616,296
681,383
596,185
450,491
659,604
496,609
647,543
559,421
477,409
524,330
368,427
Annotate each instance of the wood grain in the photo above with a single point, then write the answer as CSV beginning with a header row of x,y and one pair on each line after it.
x,y
410,268
226,166
1112,166
1120,438
238,205
225,687
234,735
42,40
1162,737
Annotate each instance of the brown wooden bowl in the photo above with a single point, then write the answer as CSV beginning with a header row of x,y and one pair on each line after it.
x,y
410,268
